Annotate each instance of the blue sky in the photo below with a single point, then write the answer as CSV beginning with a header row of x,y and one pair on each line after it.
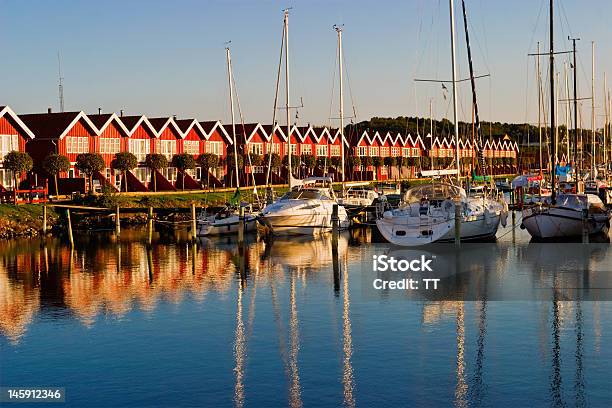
x,y
162,57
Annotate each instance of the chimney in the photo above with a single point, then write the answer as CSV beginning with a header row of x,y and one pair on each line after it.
x,y
121,113
49,110
174,117
99,111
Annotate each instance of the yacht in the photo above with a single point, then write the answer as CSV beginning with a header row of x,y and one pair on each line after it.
x,y
226,221
566,218
360,198
305,210
428,215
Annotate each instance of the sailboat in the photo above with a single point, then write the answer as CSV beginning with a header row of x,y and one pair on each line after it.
x,y
429,213
564,215
228,220
307,208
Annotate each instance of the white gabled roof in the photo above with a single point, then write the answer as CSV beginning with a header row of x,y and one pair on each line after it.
x,y
5,110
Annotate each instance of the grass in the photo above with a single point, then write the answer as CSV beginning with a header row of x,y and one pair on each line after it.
x,y
24,212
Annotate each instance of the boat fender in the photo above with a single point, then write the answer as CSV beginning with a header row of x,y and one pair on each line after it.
x,y
504,218
522,226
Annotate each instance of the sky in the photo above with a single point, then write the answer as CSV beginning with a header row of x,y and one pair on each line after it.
x,y
168,57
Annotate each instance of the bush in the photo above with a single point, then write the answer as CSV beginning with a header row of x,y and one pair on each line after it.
x,y
55,164
90,163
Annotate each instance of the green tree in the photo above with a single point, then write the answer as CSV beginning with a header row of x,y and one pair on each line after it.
x,y
183,162
322,162
155,162
208,161
309,161
231,164
295,161
256,160
18,163
55,164
336,162
89,164
124,162
276,161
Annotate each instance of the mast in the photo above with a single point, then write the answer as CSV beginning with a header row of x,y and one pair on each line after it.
x,y
60,83
556,135
593,110
481,159
339,31
453,58
231,92
605,127
290,169
553,123
567,112
575,108
539,73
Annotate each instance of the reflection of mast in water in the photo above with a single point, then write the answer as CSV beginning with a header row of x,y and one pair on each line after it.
x,y
239,352
461,388
477,382
555,385
295,398
347,344
596,326
579,379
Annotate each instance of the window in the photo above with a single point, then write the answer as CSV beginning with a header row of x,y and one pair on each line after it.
x,y
256,148
322,150
373,151
275,148
8,143
405,152
140,148
306,148
214,147
294,149
395,151
167,148
6,178
77,144
191,146
334,150
415,152
141,173
169,173
362,151
109,145
384,151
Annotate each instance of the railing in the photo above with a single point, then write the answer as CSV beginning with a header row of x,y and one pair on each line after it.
x,y
33,195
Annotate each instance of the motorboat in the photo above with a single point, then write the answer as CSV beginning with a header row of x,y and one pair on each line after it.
x,y
362,198
428,215
567,217
225,222
305,210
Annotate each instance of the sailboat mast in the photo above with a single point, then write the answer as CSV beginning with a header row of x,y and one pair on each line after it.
x,y
553,123
593,109
481,159
231,92
289,170
575,108
567,111
340,67
453,59
605,127
539,73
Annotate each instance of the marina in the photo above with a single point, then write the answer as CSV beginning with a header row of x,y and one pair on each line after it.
x,y
337,204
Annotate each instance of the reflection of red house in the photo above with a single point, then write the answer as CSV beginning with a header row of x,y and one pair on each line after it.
x,y
66,133
14,135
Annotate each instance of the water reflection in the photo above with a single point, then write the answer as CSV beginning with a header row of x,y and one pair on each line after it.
x,y
102,278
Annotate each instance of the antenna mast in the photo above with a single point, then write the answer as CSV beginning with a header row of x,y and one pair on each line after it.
x,y
60,83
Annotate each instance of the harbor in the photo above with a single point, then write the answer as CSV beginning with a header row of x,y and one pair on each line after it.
x,y
261,205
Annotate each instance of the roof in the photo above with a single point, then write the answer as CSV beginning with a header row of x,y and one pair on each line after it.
x,y
185,125
5,110
102,121
210,126
55,125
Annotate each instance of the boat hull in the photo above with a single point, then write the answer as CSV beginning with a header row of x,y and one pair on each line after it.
x,y
227,226
547,223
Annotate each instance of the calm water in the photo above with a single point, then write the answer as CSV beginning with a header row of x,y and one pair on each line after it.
x,y
276,324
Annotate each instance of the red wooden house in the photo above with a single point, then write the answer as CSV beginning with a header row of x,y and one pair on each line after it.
x,y
193,142
112,138
140,143
218,141
276,143
252,138
167,143
14,134
65,133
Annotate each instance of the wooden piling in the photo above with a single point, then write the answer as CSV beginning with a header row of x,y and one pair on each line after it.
x,y
335,221
241,225
70,236
150,226
458,222
117,222
194,231
585,225
44,225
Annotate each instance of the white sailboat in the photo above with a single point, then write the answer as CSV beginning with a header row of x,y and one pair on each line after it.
x,y
429,211
227,221
564,215
307,208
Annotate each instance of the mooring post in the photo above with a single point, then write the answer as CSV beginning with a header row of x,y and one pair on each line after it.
x,y
150,225
458,221
585,224
335,221
44,226
241,225
70,237
194,232
117,222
